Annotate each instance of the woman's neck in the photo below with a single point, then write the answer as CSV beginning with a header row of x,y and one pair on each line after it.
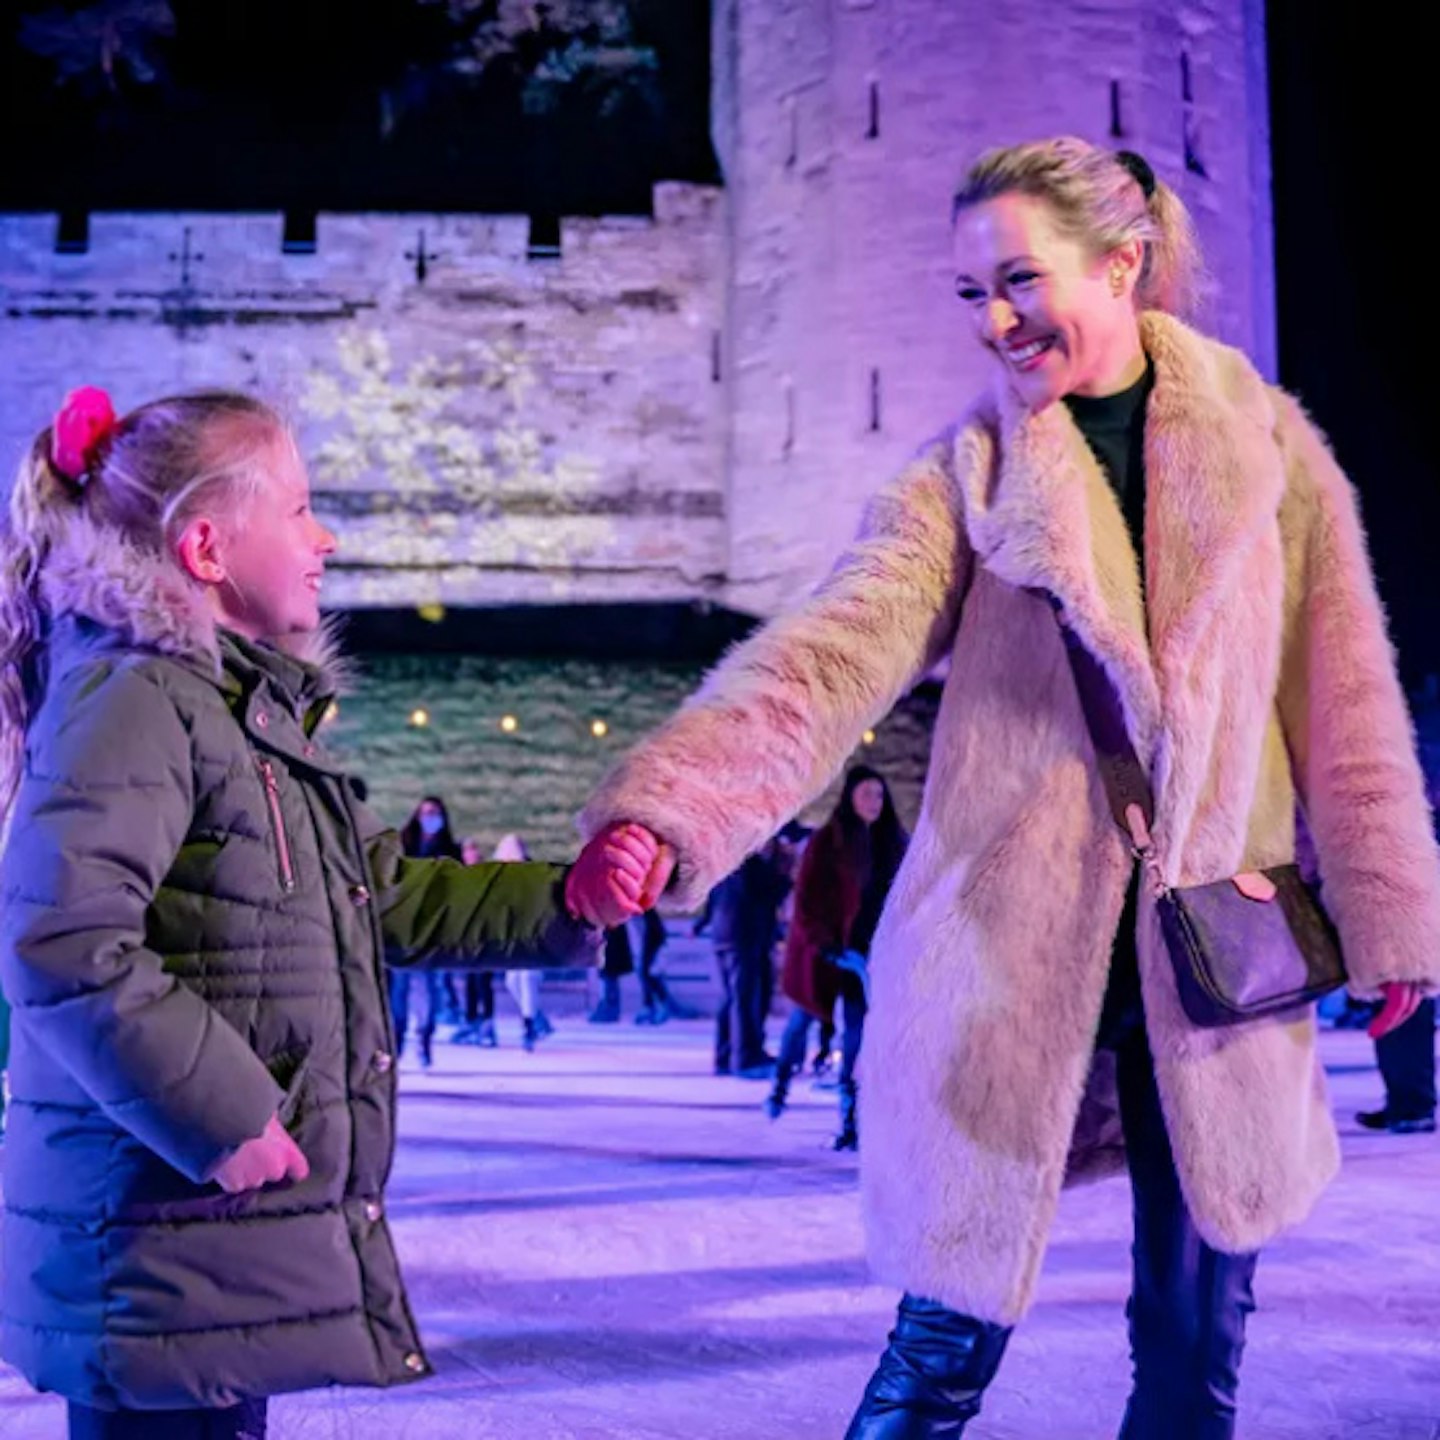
x,y
1122,370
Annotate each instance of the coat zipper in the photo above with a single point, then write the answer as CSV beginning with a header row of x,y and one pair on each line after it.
x,y
277,819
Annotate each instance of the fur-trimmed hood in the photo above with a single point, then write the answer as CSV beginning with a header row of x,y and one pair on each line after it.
x,y
146,601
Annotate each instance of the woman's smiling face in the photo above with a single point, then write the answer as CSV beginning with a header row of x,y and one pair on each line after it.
x,y
1059,319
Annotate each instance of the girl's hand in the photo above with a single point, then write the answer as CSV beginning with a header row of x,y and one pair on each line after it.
x,y
606,884
271,1156
1402,1000
659,877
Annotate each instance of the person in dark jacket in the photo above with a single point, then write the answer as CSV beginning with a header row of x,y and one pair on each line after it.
x,y
742,915
657,1004
619,961
194,914
425,835
844,879
1406,1054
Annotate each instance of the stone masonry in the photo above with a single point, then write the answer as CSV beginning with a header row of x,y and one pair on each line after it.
x,y
692,406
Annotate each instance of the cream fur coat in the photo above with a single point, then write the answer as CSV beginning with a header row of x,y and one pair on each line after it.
x,y
1255,669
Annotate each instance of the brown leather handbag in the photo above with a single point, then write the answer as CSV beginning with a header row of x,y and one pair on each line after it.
x,y
1251,946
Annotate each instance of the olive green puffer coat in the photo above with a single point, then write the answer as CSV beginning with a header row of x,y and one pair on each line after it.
x,y
195,913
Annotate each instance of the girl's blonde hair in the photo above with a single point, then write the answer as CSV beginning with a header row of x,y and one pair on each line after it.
x,y
1097,199
158,468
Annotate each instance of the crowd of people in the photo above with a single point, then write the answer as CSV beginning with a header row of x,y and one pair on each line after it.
x,y
197,906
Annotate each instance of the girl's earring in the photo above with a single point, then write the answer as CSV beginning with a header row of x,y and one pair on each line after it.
x,y
1117,282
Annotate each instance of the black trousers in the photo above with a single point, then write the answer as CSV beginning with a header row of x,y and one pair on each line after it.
x,y
479,990
245,1421
1407,1064
740,1020
1188,1302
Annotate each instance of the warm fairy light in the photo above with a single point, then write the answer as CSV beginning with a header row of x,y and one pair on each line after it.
x,y
599,729
868,737
432,611
419,718
332,712
509,724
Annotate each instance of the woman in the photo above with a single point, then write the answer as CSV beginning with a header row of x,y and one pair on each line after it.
x,y
844,878
426,835
1254,670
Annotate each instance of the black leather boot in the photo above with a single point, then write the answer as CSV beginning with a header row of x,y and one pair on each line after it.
x,y
775,1101
932,1376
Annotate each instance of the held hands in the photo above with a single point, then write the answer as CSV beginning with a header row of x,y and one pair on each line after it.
x,y
271,1156
620,873
1402,999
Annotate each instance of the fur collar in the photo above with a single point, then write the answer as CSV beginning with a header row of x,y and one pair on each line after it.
x,y
1041,514
93,573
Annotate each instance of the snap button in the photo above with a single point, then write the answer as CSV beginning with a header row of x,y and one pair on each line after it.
x,y
415,1362
261,719
373,1210
382,1062
359,894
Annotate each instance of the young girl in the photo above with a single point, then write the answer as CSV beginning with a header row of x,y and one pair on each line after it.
x,y
194,910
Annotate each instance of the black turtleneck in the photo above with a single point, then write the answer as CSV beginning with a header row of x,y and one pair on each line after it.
x,y
1114,427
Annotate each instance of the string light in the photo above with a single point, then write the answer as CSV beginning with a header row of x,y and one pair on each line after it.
x,y
509,724
432,611
419,718
599,729
868,737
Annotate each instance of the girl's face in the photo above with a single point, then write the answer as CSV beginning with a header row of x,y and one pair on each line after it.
x,y
431,818
266,563
471,853
1057,318
867,799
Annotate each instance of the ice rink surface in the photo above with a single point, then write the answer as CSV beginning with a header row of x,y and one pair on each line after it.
x,y
604,1241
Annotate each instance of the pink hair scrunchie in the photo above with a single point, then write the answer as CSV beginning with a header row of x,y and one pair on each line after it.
x,y
85,422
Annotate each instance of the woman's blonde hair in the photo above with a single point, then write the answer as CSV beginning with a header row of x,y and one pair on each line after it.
x,y
1099,199
159,466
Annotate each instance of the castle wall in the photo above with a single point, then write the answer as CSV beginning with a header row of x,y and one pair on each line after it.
x,y
562,437
842,126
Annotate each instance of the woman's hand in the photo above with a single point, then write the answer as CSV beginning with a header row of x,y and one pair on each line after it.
x,y
607,885
271,1156
1402,999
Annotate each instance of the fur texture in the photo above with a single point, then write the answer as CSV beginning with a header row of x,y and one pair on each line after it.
x,y
1258,663
149,601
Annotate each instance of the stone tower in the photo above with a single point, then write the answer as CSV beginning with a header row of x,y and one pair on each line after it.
x,y
841,127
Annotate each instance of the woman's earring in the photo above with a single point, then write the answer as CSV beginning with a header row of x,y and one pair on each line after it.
x,y
1117,282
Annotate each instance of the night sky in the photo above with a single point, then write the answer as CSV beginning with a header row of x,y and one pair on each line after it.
x,y
1357,309
291,103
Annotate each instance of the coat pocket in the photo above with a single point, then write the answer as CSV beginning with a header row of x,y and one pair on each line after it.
x,y
285,856
290,1072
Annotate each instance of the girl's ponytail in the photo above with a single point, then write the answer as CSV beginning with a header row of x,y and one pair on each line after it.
x,y
37,503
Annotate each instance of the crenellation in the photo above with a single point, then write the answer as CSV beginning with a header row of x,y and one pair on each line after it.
x,y
706,394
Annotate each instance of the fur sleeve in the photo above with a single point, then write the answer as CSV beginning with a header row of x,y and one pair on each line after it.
x,y
1346,723
778,717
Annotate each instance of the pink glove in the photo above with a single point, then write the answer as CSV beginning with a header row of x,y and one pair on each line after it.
x,y
605,885
271,1156
1402,1000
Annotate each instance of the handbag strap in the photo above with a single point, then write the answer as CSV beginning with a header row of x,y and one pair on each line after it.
x,y
1127,786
